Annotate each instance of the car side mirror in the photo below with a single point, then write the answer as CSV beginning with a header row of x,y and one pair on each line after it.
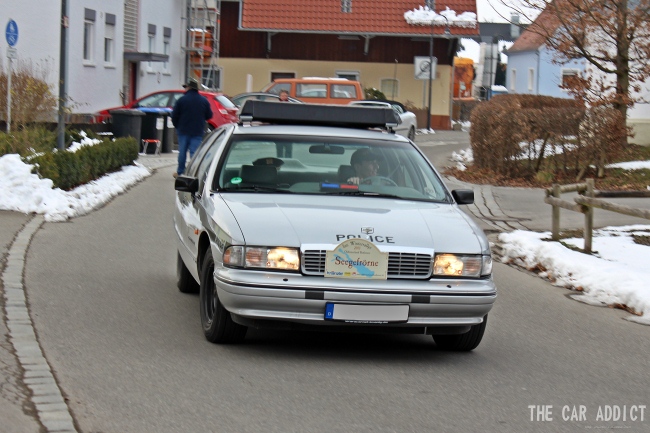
x,y
463,196
186,184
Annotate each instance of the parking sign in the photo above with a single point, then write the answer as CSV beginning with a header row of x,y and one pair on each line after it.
x,y
11,33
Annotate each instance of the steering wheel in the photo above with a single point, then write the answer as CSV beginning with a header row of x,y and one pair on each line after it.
x,y
379,180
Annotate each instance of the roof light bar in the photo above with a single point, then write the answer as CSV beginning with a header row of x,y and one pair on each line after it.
x,y
318,115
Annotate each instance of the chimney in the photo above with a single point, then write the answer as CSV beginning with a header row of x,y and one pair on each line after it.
x,y
514,26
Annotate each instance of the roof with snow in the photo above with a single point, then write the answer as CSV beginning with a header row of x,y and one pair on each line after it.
x,y
364,17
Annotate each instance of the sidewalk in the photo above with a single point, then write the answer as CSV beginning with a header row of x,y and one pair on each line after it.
x,y
20,403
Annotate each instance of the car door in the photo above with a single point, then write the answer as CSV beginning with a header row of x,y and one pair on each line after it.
x,y
187,219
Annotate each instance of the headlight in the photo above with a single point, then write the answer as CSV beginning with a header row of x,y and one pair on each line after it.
x,y
453,265
262,257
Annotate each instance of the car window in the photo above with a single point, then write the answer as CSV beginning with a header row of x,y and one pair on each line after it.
x,y
225,101
317,165
311,90
276,88
207,159
156,100
209,142
344,91
174,98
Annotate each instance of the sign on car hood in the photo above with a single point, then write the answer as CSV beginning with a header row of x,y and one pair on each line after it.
x,y
294,220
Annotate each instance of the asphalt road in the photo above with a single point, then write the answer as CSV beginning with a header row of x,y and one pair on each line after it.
x,y
128,353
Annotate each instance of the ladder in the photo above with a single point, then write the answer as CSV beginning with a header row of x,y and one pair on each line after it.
x,y
202,47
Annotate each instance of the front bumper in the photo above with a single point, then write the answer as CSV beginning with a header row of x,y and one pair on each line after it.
x,y
254,297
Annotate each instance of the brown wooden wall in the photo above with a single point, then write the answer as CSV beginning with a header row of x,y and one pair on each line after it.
x,y
323,47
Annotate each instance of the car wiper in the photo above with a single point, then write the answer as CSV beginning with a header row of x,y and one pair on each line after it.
x,y
363,193
256,188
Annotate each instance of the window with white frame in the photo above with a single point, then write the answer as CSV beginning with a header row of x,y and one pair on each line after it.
x,y
513,80
569,74
348,75
109,40
346,6
89,36
152,44
389,87
531,79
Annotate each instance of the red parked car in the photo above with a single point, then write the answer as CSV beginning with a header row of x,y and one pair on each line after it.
x,y
223,110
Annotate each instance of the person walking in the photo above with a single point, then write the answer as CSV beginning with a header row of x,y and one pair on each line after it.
x,y
189,116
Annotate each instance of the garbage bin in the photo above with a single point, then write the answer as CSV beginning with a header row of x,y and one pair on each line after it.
x,y
156,126
126,123
168,134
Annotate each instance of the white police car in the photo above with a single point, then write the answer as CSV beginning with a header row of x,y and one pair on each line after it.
x,y
306,216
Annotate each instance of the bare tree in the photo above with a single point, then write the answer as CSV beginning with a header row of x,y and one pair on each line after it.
x,y
613,36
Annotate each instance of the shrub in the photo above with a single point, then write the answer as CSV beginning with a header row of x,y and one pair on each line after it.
x,y
32,98
70,169
27,141
510,129
372,93
601,136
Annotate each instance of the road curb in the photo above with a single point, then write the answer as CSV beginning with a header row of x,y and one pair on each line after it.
x,y
53,412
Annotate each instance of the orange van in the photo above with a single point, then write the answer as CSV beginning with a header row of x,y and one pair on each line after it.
x,y
318,90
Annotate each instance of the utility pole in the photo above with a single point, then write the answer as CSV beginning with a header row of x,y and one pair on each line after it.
x,y
63,64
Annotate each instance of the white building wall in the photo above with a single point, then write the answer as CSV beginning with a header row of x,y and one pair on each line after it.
x,y
93,85
38,37
155,76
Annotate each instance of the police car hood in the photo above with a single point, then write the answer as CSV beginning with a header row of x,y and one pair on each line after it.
x,y
300,220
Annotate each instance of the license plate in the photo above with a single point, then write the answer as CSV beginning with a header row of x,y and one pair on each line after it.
x,y
355,313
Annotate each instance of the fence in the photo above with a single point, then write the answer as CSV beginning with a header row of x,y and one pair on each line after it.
x,y
586,202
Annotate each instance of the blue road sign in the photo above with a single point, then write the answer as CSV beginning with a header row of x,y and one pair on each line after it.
x,y
11,33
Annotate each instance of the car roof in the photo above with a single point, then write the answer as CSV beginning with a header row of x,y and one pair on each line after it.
x,y
273,95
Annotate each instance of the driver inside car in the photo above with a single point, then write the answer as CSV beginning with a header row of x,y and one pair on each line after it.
x,y
365,163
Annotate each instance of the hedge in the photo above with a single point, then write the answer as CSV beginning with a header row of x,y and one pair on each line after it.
x,y
68,170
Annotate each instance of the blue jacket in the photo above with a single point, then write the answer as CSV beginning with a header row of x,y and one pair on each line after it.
x,y
190,113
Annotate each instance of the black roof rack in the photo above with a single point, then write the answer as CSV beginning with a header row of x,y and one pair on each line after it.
x,y
318,115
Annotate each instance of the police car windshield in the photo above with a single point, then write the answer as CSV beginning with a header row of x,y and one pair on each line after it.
x,y
328,165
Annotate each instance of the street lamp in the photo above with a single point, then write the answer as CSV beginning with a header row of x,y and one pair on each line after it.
x,y
447,33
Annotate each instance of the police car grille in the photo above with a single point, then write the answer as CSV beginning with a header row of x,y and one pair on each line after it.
x,y
400,265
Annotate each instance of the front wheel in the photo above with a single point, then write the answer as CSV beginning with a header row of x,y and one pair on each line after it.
x,y
217,323
462,342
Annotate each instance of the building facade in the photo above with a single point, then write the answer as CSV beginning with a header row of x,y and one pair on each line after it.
x,y
116,50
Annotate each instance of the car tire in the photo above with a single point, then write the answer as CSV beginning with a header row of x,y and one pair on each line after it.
x,y
184,279
462,342
411,135
217,323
